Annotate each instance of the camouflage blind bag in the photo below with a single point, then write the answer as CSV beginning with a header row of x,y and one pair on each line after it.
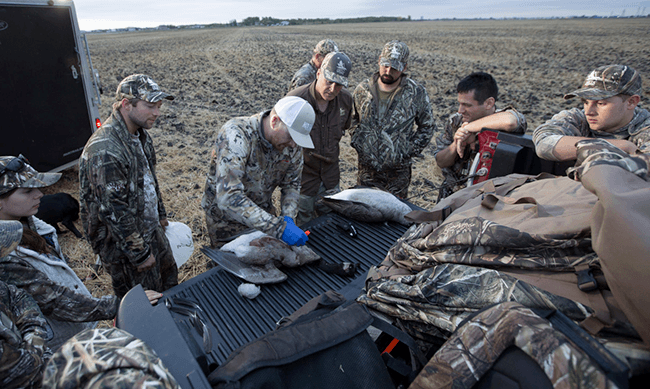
x,y
518,238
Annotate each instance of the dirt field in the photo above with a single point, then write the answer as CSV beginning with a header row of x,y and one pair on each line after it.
x,y
222,73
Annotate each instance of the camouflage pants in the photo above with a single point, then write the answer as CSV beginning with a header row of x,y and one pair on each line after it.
x,y
395,181
125,276
309,209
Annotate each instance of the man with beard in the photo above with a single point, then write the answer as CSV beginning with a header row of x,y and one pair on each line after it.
x,y
252,157
392,123
477,96
307,73
610,95
333,107
120,203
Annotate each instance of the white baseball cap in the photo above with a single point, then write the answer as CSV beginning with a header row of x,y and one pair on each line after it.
x,y
299,117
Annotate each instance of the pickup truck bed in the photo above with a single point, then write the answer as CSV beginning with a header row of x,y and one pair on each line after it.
x,y
233,320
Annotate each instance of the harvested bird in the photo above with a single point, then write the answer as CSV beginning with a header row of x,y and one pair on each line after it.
x,y
259,249
368,205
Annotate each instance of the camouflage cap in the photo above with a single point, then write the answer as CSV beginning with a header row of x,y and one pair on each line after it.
x,y
15,172
608,81
140,86
395,54
11,232
336,68
325,47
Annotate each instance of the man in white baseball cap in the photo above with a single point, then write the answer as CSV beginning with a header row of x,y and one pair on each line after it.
x,y
253,156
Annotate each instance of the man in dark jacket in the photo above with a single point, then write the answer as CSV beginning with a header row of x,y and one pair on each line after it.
x,y
333,107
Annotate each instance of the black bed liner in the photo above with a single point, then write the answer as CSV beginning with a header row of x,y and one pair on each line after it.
x,y
234,320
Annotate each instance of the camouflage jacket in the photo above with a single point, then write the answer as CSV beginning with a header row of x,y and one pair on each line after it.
x,y
321,164
107,358
244,171
388,142
22,329
573,122
454,172
64,300
305,75
111,184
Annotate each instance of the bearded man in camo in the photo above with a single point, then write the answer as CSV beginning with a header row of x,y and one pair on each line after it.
x,y
392,124
120,203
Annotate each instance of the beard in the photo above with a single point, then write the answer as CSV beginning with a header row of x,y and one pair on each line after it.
x,y
388,79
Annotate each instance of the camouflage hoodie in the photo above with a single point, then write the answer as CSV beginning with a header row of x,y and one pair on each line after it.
x,y
111,181
389,142
244,171
305,75
23,327
573,122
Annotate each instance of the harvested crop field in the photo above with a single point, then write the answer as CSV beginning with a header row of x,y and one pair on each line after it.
x,y
218,74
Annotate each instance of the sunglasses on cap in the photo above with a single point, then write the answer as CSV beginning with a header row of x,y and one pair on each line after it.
x,y
15,165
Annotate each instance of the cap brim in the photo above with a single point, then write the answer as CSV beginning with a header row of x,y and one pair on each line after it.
x,y
41,180
154,97
301,140
11,232
590,94
397,65
336,78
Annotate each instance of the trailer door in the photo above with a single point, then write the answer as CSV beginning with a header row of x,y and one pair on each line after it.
x,y
44,109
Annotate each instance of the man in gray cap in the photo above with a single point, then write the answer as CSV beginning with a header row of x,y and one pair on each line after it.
x,y
253,156
333,107
610,95
307,73
120,203
392,123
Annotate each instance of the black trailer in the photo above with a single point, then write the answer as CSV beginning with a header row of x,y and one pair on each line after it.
x,y
49,94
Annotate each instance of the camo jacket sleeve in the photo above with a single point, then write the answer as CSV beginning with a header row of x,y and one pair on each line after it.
x,y
56,300
246,173
305,75
111,196
22,348
402,133
572,122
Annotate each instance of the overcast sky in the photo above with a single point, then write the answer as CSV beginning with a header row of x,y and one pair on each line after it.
x,y
102,14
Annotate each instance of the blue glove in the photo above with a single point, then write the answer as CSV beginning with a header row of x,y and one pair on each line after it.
x,y
293,235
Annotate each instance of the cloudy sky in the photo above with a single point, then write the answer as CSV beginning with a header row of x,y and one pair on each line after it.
x,y
101,14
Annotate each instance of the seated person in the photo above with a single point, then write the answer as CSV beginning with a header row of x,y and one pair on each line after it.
x,y
477,96
38,266
22,325
610,95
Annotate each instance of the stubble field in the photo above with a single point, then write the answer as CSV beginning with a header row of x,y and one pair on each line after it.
x,y
217,74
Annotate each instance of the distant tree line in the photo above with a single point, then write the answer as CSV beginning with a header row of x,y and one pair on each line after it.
x,y
269,21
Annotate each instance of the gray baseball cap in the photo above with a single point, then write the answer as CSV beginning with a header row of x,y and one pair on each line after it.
x,y
607,81
11,232
395,54
140,86
299,117
336,68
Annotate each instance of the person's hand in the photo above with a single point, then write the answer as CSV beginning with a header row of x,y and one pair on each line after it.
x,y
164,223
463,137
148,264
293,235
153,296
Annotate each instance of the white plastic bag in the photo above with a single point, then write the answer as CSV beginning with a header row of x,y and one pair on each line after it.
x,y
179,236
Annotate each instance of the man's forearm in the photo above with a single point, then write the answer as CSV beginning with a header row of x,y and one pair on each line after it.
x,y
447,156
501,121
565,148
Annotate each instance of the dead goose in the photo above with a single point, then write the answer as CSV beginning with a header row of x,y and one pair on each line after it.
x,y
257,249
368,205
